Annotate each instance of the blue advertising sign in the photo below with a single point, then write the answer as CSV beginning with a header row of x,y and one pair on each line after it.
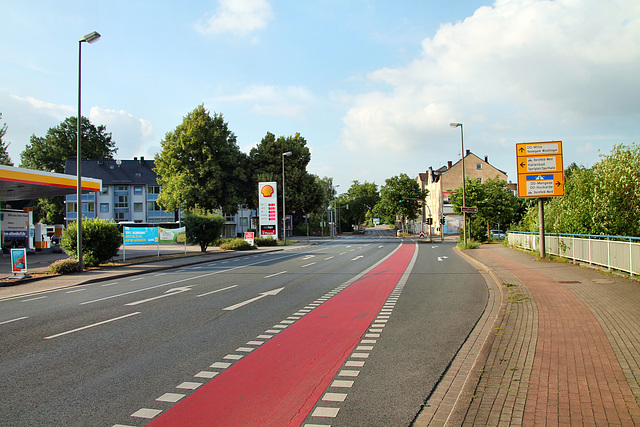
x,y
140,235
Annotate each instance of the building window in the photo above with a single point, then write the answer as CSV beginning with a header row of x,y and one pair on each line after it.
x,y
89,207
105,190
121,216
122,188
137,190
153,189
122,202
104,207
71,207
478,165
153,207
137,207
244,221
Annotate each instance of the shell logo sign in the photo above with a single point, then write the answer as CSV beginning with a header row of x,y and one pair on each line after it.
x,y
267,191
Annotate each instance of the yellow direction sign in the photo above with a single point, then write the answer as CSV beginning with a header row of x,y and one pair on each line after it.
x,y
540,167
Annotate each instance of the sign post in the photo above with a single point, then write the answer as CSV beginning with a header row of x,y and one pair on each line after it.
x,y
540,174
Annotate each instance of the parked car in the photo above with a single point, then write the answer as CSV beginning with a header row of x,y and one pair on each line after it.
x,y
498,235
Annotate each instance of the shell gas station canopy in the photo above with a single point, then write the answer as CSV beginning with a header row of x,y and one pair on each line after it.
x,y
23,184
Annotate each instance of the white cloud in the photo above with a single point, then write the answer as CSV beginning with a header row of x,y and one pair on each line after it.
x,y
237,16
133,136
58,111
274,101
512,69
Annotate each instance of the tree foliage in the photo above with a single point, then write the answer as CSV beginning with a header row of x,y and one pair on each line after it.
x,y
203,229
200,165
357,202
401,197
4,146
304,191
497,205
49,153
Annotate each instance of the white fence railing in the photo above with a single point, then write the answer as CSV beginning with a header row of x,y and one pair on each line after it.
x,y
612,252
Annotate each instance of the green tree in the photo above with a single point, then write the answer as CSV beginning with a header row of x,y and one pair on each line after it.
x,y
101,241
359,200
4,146
202,228
305,193
401,197
496,205
200,165
49,153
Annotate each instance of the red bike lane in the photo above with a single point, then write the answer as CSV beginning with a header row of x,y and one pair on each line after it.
x,y
279,383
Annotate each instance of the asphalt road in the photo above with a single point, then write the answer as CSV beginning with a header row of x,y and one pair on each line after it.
x,y
97,354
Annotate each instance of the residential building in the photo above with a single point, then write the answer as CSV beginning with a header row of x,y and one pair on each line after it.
x,y
130,192
441,183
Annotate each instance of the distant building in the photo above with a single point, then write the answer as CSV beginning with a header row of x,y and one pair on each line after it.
x,y
440,183
130,192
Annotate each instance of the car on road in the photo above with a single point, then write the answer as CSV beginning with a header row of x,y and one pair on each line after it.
x,y
498,235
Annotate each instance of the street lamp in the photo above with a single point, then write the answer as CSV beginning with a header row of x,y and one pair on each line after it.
x,y
464,179
284,212
89,38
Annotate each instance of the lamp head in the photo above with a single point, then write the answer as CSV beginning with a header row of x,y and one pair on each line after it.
x,y
92,37
455,125
288,153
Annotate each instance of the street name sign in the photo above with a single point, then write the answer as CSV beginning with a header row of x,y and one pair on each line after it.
x,y
469,209
540,169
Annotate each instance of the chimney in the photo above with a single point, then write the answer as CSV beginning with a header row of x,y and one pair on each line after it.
x,y
486,159
449,164
141,159
468,152
135,158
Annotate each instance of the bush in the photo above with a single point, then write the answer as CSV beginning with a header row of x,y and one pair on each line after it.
x,y
262,241
203,229
236,245
101,241
64,266
471,244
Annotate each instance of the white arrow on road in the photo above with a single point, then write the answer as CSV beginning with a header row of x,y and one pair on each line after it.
x,y
358,257
169,293
442,258
249,301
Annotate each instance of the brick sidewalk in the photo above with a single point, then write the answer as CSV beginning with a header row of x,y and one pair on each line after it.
x,y
566,351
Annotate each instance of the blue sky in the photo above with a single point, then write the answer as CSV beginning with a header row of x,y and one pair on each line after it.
x,y
371,85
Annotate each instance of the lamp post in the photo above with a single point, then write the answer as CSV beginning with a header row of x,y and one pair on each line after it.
x,y
89,38
464,179
284,212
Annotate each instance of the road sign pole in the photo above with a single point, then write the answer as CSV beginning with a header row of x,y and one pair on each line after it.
x,y
541,220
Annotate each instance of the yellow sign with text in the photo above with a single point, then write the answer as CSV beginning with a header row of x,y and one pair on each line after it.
x,y
540,169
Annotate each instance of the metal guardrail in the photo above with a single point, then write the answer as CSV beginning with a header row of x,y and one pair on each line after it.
x,y
612,252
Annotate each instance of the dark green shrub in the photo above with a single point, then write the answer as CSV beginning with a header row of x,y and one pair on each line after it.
x,y
203,229
101,240
236,245
262,241
64,266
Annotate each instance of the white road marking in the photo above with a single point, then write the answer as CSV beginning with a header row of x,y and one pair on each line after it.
x,y
275,274
91,326
307,265
216,291
357,258
33,299
206,374
188,385
109,284
146,413
327,259
170,397
168,293
334,397
325,412
74,291
14,320
249,301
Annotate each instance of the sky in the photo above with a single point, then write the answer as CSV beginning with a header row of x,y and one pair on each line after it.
x,y
372,85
